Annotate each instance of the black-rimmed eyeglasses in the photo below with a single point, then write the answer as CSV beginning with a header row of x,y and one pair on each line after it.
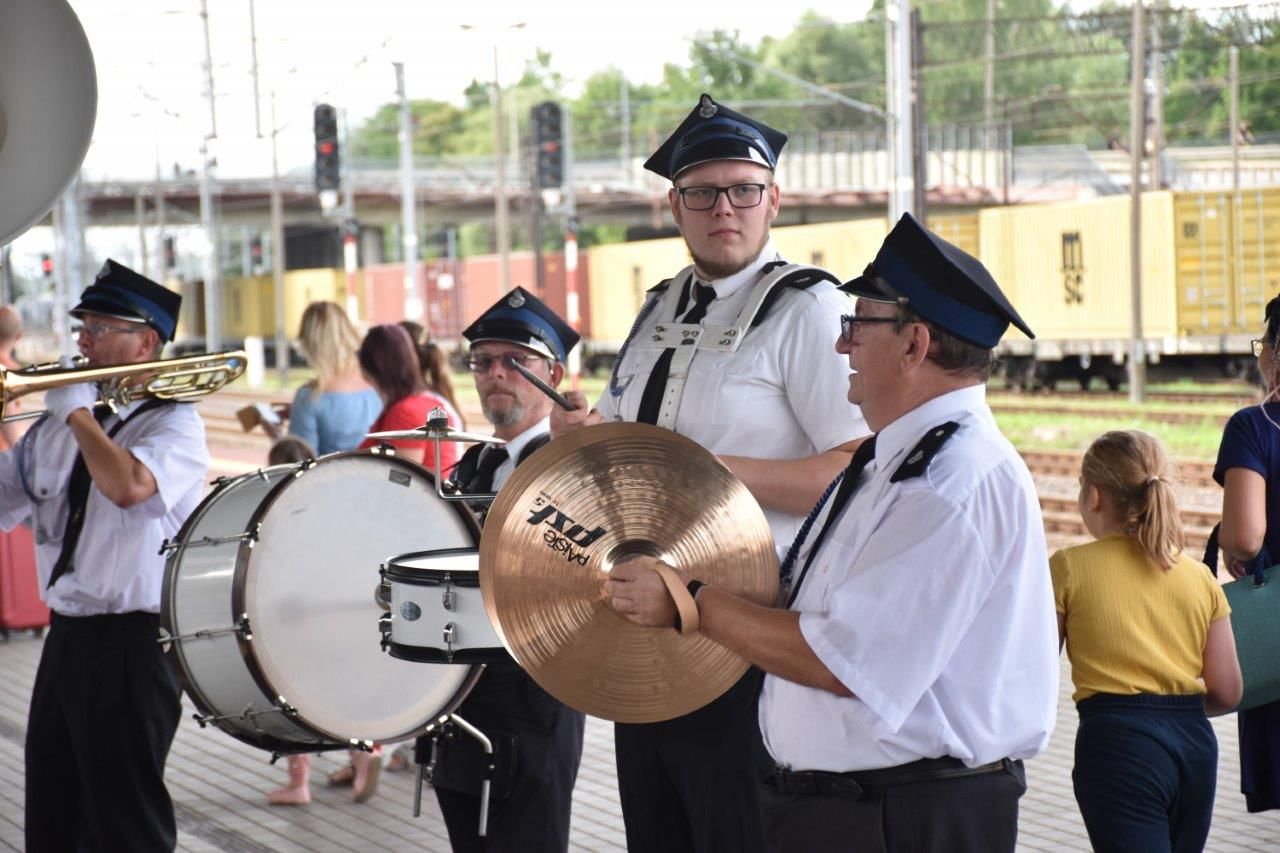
x,y
705,198
851,323
482,363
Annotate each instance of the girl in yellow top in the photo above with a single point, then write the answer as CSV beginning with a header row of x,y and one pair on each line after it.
x,y
1148,632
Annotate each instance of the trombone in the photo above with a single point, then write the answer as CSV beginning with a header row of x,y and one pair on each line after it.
x,y
186,378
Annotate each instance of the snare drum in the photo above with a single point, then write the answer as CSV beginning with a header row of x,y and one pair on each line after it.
x,y
436,612
269,606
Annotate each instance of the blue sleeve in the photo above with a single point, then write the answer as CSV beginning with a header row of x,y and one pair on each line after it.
x,y
302,418
1242,445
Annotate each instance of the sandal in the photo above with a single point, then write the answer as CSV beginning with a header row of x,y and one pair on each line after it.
x,y
400,760
343,776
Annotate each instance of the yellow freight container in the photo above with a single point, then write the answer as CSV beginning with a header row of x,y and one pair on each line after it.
x,y
844,247
1257,267
1227,264
249,304
1065,267
1203,247
619,276
958,229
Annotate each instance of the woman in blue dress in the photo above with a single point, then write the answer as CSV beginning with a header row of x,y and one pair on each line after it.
x,y
1248,468
333,411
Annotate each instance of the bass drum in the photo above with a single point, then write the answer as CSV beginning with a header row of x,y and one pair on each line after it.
x,y
269,603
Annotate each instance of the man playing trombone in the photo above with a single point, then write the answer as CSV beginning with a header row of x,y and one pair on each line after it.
x,y
102,490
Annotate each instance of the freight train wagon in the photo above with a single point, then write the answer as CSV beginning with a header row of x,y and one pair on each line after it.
x,y
1210,260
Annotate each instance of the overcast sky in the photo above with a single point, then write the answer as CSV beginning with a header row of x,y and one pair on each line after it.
x,y
150,55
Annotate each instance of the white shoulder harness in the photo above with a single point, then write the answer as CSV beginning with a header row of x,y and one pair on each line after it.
x,y
688,338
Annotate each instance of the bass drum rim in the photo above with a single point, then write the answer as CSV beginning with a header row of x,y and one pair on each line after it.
x,y
178,661
240,581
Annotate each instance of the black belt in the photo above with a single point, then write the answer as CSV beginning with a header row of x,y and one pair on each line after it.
x,y
858,782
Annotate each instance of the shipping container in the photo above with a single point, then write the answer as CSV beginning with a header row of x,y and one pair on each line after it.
x,y
1066,269
619,275
249,303
845,248
1227,267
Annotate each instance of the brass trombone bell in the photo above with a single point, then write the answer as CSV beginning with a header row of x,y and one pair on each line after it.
x,y
186,378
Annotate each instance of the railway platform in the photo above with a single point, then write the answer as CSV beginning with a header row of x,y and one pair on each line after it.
x,y
219,787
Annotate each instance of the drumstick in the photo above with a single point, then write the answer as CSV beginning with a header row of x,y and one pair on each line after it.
x,y
536,382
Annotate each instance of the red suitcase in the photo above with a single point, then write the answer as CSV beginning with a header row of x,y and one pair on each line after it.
x,y
20,604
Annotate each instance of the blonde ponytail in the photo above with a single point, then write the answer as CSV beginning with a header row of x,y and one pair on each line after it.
x,y
1133,469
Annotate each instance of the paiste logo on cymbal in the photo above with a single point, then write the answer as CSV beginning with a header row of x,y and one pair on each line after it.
x,y
563,533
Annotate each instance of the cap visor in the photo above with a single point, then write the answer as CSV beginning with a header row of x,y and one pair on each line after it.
x,y
867,287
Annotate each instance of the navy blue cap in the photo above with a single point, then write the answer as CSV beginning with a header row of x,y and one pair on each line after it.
x,y
120,292
941,283
524,319
715,132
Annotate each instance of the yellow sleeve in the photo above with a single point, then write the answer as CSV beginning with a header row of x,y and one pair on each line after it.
x,y
1061,575
1220,606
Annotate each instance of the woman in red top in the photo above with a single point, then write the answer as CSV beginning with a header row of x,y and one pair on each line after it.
x,y
390,363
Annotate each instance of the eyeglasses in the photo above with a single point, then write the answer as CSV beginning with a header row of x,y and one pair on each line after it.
x,y
1257,346
482,363
851,323
99,330
705,198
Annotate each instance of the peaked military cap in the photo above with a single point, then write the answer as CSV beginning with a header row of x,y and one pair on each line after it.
x,y
940,282
524,319
715,132
120,292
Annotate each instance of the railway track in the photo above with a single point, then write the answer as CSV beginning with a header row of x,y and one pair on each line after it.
x,y
1014,406
1194,473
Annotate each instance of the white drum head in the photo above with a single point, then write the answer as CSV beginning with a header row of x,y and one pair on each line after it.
x,y
308,589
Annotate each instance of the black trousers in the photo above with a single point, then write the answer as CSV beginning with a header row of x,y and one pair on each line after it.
x,y
548,736
1146,772
104,711
970,814
693,783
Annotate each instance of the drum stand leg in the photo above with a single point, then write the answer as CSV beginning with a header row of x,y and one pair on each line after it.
x,y
424,771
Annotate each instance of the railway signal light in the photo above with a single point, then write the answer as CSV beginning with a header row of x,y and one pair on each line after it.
x,y
170,254
328,170
46,266
548,144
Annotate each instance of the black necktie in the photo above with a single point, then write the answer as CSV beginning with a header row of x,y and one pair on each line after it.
x,y
490,460
656,387
861,459
77,499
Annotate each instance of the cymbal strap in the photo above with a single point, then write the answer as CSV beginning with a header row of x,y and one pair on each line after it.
x,y
686,607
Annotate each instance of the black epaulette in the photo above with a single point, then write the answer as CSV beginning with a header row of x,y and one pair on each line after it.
x,y
660,287
801,279
922,454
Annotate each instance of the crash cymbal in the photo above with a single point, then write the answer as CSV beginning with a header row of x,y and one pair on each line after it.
x,y
428,433
576,508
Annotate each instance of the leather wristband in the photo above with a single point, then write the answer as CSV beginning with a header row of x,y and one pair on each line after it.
x,y
687,621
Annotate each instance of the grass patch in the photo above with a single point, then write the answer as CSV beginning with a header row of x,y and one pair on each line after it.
x,y
1030,431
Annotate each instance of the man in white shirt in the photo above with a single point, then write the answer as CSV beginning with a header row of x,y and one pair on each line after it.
x,y
102,491
916,664
733,353
532,811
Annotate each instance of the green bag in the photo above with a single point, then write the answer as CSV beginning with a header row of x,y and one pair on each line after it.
x,y
1255,621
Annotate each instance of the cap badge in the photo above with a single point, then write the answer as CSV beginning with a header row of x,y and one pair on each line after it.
x,y
706,108
515,300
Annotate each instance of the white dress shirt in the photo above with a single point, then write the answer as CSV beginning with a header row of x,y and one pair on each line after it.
x,y
514,448
117,564
929,599
782,395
